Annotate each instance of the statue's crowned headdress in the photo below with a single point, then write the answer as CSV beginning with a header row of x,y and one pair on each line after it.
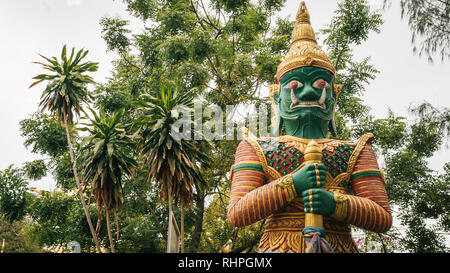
x,y
303,50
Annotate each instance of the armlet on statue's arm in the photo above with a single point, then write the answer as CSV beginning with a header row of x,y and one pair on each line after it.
x,y
251,198
341,207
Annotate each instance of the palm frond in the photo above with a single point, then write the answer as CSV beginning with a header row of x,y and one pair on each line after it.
x,y
169,160
66,90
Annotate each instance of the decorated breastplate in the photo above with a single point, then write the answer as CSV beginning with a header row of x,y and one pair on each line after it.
x,y
286,159
283,155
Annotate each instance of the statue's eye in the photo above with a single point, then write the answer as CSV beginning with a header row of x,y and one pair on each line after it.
x,y
320,83
293,85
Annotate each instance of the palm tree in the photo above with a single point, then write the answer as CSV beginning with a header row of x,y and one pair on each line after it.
x,y
105,152
172,162
63,97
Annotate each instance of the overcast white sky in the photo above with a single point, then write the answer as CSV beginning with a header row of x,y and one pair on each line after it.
x,y
28,27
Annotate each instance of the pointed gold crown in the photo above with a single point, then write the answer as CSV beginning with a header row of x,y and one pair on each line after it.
x,y
303,50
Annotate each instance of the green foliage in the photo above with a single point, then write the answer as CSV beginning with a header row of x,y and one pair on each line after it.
x,y
425,139
373,242
64,96
220,236
114,33
44,134
16,238
438,118
389,133
217,234
59,219
138,236
352,24
62,172
420,237
52,208
144,9
13,191
229,45
35,170
418,195
113,97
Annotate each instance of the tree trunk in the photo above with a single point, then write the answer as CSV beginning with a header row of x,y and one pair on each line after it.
x,y
108,227
198,227
117,225
80,192
97,227
182,226
169,197
169,192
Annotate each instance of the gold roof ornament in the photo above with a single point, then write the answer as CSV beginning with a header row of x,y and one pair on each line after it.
x,y
303,50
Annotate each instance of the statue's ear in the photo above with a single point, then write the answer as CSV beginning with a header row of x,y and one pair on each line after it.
x,y
274,93
332,124
278,124
276,98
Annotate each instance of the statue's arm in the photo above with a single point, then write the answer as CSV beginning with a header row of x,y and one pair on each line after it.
x,y
369,207
251,199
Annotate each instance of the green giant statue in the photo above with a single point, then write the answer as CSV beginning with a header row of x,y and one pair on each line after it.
x,y
311,188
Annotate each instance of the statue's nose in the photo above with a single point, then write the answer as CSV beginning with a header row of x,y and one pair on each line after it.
x,y
308,94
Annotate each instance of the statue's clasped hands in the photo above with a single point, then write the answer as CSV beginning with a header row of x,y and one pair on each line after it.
x,y
309,182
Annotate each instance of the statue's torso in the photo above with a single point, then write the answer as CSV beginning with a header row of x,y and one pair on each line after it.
x,y
284,155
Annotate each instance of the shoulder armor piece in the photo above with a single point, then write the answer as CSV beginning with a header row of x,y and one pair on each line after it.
x,y
360,143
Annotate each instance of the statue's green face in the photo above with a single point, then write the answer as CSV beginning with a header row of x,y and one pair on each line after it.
x,y
305,101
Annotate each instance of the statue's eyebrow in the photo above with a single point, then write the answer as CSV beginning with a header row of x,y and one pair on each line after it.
x,y
290,77
320,74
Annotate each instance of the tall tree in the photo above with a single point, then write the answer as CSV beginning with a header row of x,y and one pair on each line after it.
x,y
106,151
421,194
173,160
63,98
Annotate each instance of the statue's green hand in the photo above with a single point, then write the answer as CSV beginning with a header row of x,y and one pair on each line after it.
x,y
319,201
308,177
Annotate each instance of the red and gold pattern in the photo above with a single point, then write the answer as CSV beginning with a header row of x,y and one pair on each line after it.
x,y
251,198
258,191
